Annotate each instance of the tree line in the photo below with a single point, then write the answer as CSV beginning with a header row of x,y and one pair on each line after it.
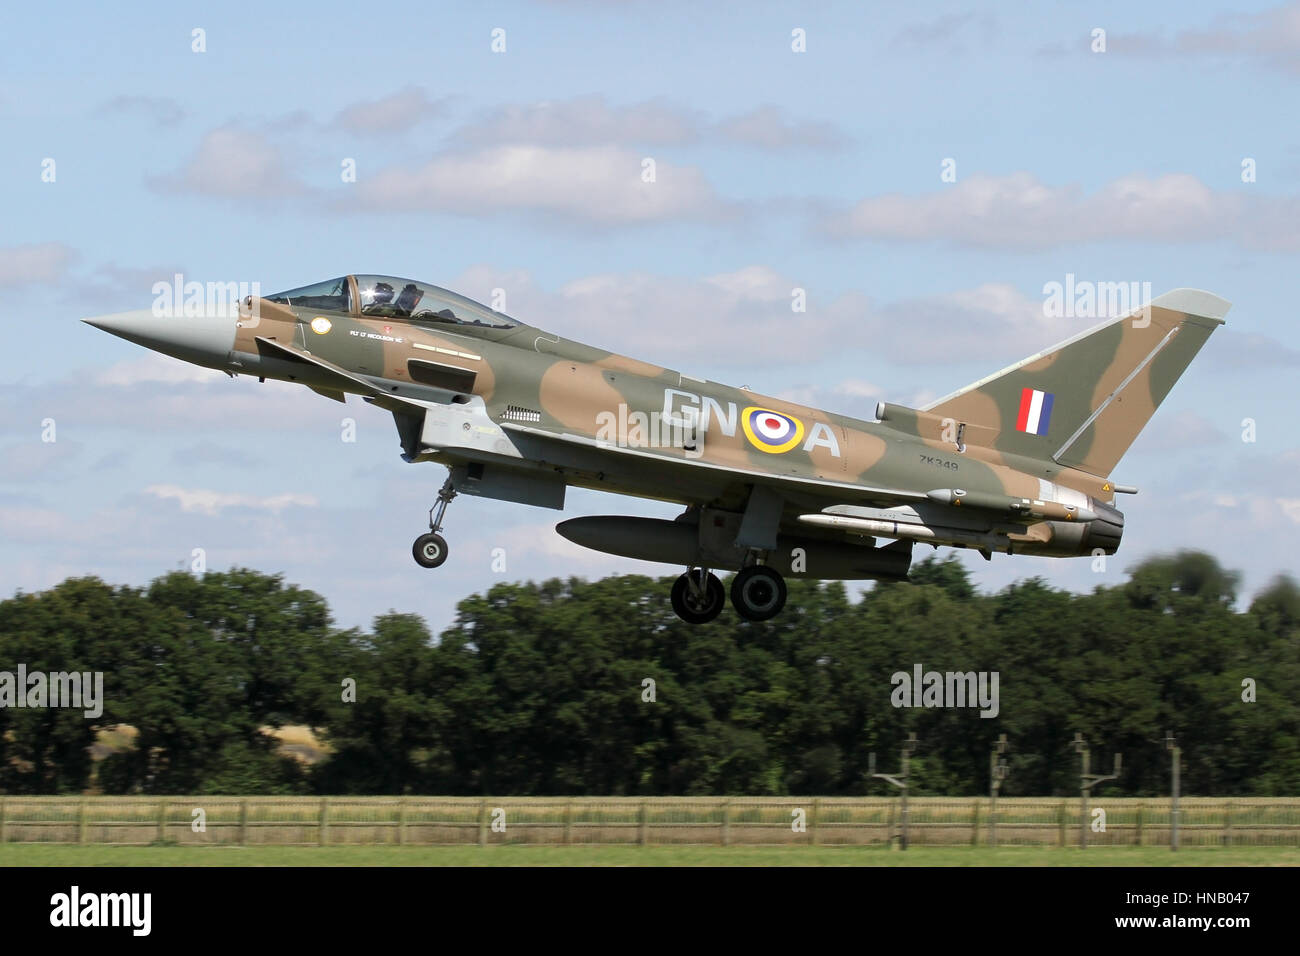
x,y
595,687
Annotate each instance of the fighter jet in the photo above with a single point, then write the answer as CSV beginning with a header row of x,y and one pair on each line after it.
x,y
1018,462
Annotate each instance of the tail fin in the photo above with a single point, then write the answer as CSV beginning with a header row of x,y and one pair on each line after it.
x,y
1083,402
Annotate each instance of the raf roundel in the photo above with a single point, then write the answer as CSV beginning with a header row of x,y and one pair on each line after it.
x,y
771,431
320,325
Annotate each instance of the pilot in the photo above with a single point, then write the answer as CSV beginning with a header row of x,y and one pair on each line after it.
x,y
409,298
380,297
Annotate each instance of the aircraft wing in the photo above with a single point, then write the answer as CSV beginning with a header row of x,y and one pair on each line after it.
x,y
826,490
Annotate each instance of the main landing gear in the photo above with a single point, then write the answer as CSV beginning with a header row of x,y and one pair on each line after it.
x,y
758,593
430,549
698,596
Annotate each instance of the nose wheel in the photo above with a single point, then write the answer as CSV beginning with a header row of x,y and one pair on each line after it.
x,y
430,548
758,593
698,596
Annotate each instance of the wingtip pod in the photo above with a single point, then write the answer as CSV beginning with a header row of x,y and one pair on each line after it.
x,y
1197,302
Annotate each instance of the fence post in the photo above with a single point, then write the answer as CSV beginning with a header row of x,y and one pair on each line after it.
x,y
162,821
726,822
81,821
1060,822
243,822
816,821
482,823
975,823
1141,804
401,821
568,821
645,823
1227,824
3,837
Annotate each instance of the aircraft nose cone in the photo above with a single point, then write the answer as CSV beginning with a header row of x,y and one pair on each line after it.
x,y
202,339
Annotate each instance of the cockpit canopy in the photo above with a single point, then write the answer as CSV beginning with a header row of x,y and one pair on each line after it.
x,y
333,295
392,297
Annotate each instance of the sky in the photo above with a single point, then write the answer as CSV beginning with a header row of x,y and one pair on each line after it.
x,y
924,175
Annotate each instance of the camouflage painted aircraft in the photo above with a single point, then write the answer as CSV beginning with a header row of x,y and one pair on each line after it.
x,y
1018,462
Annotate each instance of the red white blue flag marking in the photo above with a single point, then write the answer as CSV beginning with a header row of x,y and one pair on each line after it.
x,y
1035,411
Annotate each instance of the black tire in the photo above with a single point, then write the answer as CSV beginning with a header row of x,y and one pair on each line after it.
x,y
429,550
700,611
758,593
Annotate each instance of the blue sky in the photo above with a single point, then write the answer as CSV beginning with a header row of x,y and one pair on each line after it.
x,y
481,170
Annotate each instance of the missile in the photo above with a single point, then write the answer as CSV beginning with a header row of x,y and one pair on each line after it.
x,y
1023,507
678,542
960,537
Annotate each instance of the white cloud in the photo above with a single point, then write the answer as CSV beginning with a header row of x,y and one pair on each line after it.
x,y
857,388
592,121
1271,37
34,262
1252,514
27,461
185,399
584,121
155,368
992,321
594,185
111,284
210,502
235,163
1180,429
768,127
30,524
745,318
735,318
396,113
538,546
852,396
1237,349
1019,211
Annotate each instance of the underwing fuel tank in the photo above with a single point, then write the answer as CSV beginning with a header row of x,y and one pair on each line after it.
x,y
681,543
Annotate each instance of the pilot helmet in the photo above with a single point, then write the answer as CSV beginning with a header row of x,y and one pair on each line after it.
x,y
381,294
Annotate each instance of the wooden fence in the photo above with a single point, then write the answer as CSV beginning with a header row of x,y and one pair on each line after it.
x,y
932,821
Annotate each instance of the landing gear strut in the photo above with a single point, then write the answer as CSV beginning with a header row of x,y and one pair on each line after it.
x,y
758,593
430,549
698,596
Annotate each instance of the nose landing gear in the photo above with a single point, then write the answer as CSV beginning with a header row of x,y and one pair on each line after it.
x,y
430,549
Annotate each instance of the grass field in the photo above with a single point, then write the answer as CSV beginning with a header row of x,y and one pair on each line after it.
x,y
65,855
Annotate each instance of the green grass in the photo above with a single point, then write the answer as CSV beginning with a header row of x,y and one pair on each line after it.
x,y
523,855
